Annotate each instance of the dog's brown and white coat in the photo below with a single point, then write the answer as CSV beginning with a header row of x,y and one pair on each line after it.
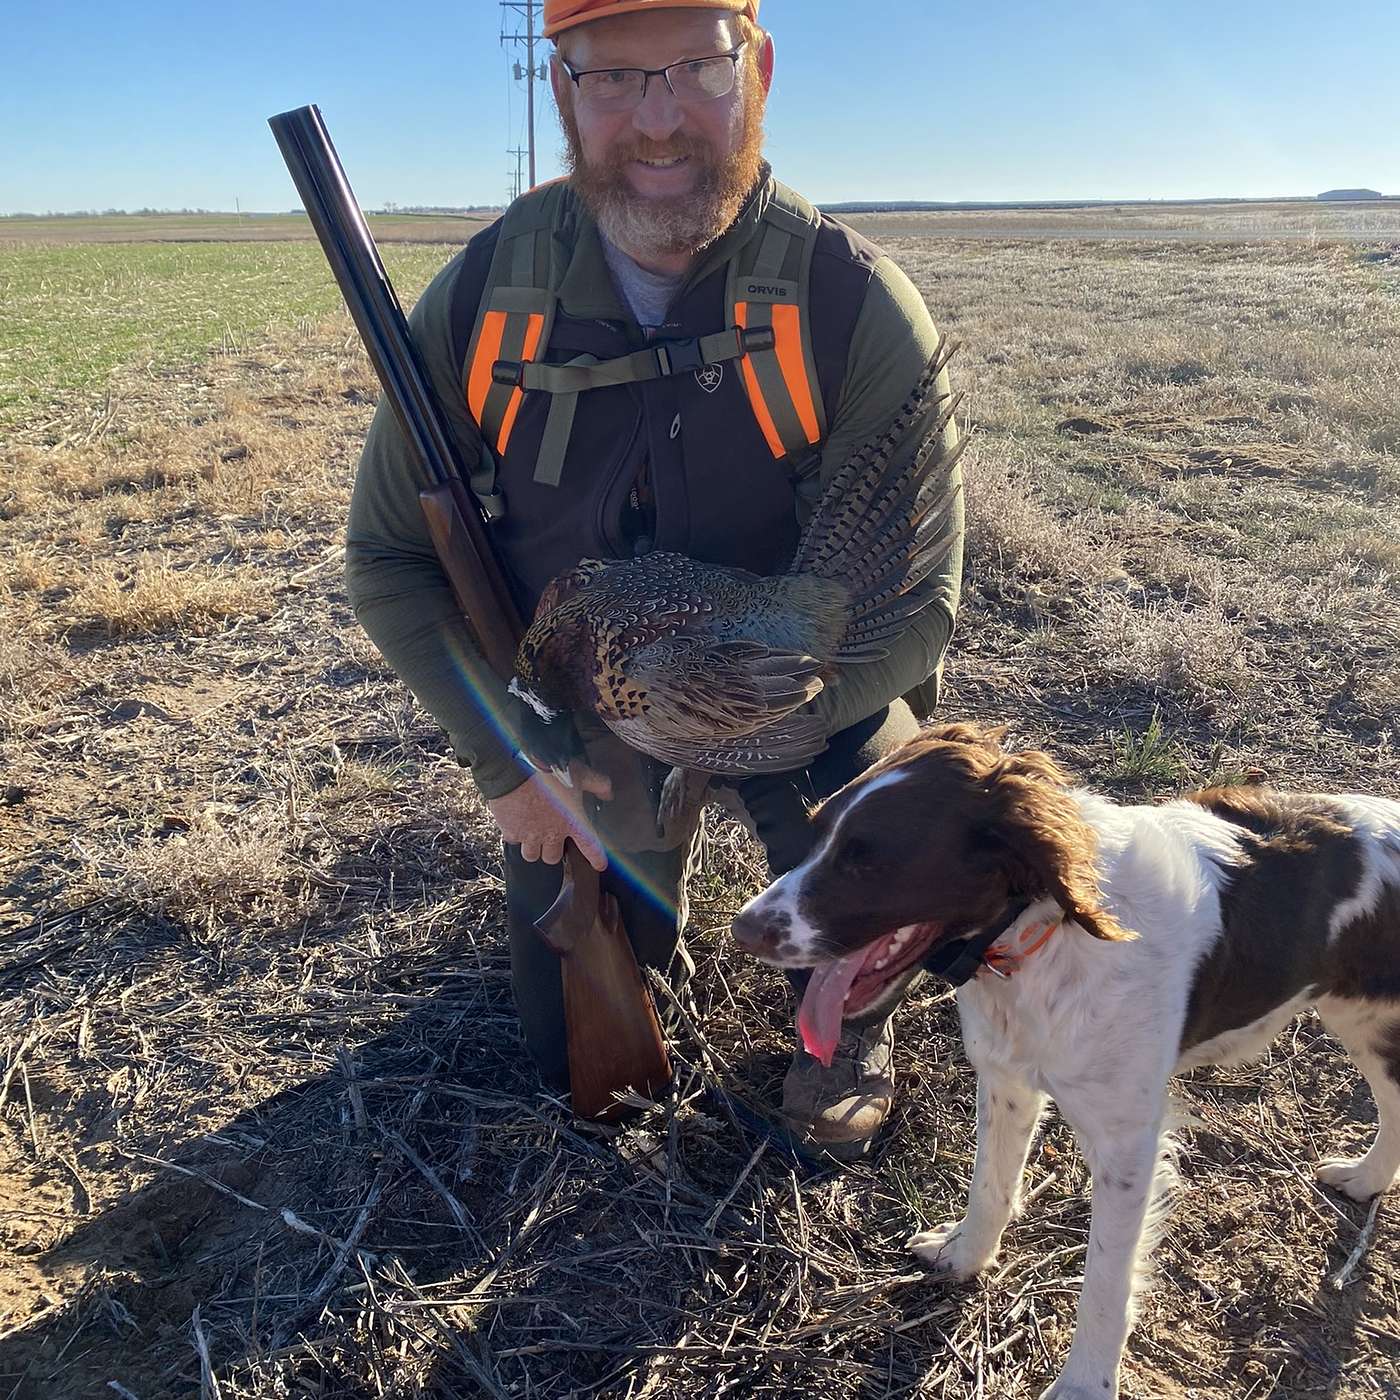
x,y
1185,934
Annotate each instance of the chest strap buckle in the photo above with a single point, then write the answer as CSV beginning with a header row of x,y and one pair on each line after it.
x,y
679,356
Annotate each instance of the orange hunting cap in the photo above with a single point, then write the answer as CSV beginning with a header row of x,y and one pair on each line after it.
x,y
560,15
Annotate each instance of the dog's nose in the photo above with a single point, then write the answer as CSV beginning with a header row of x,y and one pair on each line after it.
x,y
759,932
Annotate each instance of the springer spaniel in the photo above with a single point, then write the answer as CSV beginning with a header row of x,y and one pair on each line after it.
x,y
1099,948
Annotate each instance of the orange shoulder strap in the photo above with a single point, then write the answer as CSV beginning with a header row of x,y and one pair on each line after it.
x,y
768,287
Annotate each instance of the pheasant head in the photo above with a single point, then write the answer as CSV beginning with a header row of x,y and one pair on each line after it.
x,y
554,675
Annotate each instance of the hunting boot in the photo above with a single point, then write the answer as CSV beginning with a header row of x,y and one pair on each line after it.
x,y
838,1111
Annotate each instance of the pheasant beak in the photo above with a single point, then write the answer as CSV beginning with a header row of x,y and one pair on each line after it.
x,y
554,770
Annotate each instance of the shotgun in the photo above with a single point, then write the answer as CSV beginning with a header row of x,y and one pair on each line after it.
x,y
614,1040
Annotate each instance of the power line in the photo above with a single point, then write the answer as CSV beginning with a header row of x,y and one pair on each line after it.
x,y
529,70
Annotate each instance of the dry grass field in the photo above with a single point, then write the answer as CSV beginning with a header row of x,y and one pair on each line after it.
x,y
1309,220
266,1127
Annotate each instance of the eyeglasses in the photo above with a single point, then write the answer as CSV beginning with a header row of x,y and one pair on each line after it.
x,y
691,80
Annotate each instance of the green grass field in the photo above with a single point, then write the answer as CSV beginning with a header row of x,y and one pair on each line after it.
x,y
73,314
227,228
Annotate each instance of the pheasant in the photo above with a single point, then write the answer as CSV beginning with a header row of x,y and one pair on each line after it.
x,y
708,668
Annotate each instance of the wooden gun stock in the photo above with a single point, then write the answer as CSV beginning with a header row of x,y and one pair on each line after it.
x,y
485,601
613,1037
610,1045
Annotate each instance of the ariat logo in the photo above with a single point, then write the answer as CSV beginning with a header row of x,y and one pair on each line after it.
x,y
765,289
710,377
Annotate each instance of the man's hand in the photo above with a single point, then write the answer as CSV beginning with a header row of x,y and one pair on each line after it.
x,y
542,814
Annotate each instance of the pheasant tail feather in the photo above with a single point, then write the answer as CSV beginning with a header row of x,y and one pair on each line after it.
x,y
888,518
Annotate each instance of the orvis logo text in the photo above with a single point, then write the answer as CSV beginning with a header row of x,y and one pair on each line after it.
x,y
764,289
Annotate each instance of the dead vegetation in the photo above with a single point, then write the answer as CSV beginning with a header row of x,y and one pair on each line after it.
x,y
1254,221
267,1129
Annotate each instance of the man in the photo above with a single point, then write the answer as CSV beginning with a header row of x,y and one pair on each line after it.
x,y
785,342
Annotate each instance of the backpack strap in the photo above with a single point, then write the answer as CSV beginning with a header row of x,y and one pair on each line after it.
x,y
768,288
513,323
654,361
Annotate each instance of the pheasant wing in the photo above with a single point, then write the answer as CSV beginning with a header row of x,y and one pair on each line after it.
x,y
685,696
790,743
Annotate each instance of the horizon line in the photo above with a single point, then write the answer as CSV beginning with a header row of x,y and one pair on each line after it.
x,y
1341,195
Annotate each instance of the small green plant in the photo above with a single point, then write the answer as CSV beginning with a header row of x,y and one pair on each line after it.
x,y
1217,773
1149,757
911,1195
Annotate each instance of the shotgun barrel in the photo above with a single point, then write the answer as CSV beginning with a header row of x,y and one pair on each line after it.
x,y
356,265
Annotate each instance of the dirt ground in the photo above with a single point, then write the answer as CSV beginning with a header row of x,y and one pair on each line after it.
x,y
266,1127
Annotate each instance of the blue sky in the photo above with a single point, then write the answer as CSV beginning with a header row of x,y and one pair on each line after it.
x,y
164,104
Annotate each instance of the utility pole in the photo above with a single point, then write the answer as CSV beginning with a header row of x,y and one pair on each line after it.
x,y
529,70
519,153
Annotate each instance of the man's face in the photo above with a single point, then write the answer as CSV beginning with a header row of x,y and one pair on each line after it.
x,y
667,177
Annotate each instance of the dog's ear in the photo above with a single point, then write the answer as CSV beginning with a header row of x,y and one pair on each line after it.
x,y
962,732
1047,848
1033,763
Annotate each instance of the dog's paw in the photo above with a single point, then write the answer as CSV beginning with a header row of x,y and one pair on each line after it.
x,y
1356,1177
1066,1389
950,1251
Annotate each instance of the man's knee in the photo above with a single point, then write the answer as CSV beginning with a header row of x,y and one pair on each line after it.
x,y
853,750
778,803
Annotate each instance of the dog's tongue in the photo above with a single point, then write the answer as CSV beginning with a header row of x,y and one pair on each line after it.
x,y
819,1016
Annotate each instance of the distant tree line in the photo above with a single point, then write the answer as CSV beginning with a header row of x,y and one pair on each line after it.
x,y
389,207
102,213
847,207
